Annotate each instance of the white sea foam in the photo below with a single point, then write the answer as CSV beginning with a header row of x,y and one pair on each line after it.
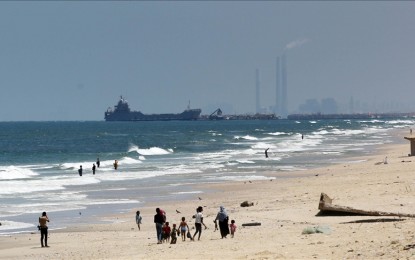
x,y
394,122
149,151
246,137
13,172
372,121
331,152
347,132
127,175
243,178
16,187
262,146
9,225
109,202
186,169
180,184
225,155
39,166
278,133
75,165
128,160
245,161
45,184
187,192
50,205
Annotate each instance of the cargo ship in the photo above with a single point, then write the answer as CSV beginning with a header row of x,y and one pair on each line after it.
x,y
122,112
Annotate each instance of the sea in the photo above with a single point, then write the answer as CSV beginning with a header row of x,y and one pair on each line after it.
x,y
161,161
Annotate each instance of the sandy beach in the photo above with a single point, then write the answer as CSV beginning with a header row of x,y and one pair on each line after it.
x,y
283,206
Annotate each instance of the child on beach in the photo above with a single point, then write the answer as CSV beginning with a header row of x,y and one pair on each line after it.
x,y
138,219
198,222
232,227
173,234
183,228
166,232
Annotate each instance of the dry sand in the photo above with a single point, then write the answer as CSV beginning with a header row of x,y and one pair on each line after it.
x,y
284,207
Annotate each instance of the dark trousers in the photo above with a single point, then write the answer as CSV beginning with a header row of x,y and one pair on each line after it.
x,y
44,236
198,227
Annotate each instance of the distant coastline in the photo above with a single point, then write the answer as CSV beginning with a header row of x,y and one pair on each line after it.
x,y
318,116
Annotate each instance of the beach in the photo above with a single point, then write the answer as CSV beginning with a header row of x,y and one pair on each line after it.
x,y
285,207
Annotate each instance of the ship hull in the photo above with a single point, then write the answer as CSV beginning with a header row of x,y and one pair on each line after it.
x,y
190,114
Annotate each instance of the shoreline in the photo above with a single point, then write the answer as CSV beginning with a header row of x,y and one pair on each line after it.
x,y
283,206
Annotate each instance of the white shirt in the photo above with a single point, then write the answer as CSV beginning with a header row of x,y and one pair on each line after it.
x,y
198,218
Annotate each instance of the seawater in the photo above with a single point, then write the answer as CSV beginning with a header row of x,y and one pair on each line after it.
x,y
158,161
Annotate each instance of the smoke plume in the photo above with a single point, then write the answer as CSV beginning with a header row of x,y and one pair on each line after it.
x,y
297,43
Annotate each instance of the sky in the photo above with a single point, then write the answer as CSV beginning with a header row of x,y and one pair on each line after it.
x,y
71,60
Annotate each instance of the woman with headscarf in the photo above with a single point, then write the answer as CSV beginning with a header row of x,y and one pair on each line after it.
x,y
223,218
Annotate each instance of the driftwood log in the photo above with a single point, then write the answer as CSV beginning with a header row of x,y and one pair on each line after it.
x,y
251,224
327,208
247,204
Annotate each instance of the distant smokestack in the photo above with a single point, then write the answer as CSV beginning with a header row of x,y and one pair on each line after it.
x,y
284,111
257,103
278,88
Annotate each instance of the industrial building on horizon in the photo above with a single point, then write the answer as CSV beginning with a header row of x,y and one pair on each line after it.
x,y
280,107
281,86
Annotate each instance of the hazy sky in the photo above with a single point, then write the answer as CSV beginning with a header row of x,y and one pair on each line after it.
x,y
71,60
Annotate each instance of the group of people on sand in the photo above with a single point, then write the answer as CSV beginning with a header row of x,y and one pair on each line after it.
x,y
167,233
94,167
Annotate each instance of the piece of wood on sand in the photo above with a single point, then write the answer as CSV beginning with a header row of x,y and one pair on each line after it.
x,y
251,224
327,208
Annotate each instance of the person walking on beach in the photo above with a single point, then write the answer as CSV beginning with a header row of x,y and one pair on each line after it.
x,y
43,229
138,219
198,222
232,227
173,234
80,170
184,228
166,232
93,169
223,219
98,162
159,220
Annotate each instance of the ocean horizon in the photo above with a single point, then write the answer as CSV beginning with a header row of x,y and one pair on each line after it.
x,y
160,161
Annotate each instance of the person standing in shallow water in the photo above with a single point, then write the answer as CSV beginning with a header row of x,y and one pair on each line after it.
x,y
266,153
93,169
115,164
43,229
80,170
98,162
